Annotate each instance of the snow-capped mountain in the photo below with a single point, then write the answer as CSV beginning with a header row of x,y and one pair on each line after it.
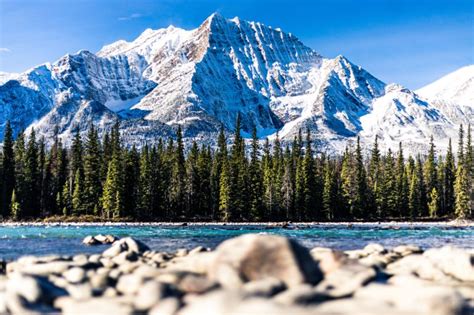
x,y
202,79
453,95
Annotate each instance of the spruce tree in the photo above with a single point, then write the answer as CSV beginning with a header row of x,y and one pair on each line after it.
x,y
78,194
374,180
433,203
461,144
112,196
145,189
330,194
65,198
461,190
288,187
431,176
178,178
8,170
225,211
402,185
31,197
389,186
348,185
268,184
15,207
238,172
255,181
77,154
204,169
449,179
193,181
309,203
360,201
131,178
92,170
217,163
113,203
469,161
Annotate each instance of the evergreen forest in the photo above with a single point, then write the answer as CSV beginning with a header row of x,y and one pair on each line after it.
x,y
235,181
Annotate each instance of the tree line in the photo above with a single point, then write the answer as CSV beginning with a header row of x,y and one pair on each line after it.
x,y
269,182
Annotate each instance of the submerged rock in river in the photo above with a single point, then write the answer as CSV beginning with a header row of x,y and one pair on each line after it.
x,y
250,274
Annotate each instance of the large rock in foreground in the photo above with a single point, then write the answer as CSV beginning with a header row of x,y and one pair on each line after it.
x,y
254,257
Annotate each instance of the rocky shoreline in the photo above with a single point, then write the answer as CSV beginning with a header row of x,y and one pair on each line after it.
x,y
249,274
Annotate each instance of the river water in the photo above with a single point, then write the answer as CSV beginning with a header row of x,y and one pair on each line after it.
x,y
63,239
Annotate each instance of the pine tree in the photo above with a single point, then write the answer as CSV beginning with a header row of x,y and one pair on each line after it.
x,y
8,172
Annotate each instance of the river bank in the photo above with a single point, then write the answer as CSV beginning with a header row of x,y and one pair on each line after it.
x,y
249,274
348,224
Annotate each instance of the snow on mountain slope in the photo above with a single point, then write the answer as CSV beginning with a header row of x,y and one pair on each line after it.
x,y
456,87
6,76
453,95
203,78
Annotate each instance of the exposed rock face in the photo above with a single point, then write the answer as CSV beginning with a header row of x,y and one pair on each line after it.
x,y
203,78
261,274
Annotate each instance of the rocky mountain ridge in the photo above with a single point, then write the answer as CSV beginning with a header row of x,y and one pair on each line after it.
x,y
203,78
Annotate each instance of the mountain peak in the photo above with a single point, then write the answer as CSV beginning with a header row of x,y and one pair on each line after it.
x,y
204,78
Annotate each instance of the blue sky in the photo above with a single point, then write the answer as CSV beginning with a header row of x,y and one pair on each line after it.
x,y
405,41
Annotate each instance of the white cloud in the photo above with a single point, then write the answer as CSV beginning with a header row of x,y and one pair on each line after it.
x,y
130,17
4,50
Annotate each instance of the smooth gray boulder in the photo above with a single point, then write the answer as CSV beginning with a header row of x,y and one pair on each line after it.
x,y
253,257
